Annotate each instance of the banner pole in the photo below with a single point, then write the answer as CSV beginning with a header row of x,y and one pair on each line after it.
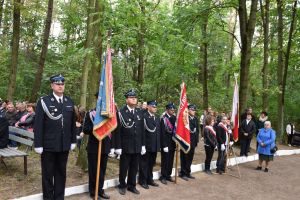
x,y
98,169
176,164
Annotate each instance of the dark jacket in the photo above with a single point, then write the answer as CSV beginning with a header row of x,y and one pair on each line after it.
x,y
152,132
210,139
131,137
222,134
194,131
11,117
55,135
167,132
3,132
93,142
249,128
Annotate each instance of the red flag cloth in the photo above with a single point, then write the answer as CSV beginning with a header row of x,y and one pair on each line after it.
x,y
235,112
182,134
106,118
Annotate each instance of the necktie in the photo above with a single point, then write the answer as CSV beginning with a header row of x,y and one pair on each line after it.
x,y
60,100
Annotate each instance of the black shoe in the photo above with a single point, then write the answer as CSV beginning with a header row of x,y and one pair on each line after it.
x,y
220,172
122,191
208,172
266,169
246,155
104,196
133,190
170,179
258,168
163,181
190,176
153,184
145,186
184,177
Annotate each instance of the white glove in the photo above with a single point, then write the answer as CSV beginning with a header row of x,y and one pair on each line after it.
x,y
112,153
39,150
222,147
143,150
231,143
73,146
166,149
216,148
229,131
118,151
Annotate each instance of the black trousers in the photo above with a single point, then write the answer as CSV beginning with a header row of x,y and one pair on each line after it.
x,y
221,161
245,146
209,152
92,166
54,174
167,160
290,136
186,160
146,165
128,164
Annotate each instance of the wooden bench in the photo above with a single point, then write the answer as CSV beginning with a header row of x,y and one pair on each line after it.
x,y
21,136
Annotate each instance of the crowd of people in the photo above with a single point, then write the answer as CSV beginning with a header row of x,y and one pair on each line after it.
x,y
141,134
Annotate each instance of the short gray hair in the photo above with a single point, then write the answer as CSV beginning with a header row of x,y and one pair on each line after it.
x,y
267,123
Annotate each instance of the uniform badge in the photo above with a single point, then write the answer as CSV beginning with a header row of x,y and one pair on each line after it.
x,y
55,110
52,99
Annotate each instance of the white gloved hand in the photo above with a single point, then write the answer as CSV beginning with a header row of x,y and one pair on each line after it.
x,y
222,147
229,131
216,148
112,153
73,146
143,150
231,143
118,151
39,150
166,149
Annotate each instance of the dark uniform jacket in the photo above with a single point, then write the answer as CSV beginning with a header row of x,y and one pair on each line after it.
x,y
194,131
210,137
249,128
93,142
131,137
167,124
3,132
152,132
54,135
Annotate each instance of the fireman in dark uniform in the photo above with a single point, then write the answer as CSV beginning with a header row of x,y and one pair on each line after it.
x,y
54,136
132,140
168,145
186,159
92,150
152,135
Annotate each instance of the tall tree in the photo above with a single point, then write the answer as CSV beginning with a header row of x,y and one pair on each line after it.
x,y
247,27
283,62
87,59
39,73
1,10
265,16
141,43
14,50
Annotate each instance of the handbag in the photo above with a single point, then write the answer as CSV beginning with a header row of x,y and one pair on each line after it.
x,y
274,149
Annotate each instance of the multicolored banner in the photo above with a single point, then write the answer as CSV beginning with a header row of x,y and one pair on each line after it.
x,y
182,133
235,112
106,119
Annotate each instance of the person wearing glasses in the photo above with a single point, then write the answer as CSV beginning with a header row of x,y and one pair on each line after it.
x,y
54,137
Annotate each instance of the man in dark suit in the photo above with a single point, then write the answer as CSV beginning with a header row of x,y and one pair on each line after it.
x,y
92,149
247,130
54,136
152,135
168,146
132,142
186,159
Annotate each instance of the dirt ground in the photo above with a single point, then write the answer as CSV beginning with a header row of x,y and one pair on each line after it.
x,y
281,182
14,184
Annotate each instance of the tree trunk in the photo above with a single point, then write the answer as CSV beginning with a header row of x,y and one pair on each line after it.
x,y
247,27
141,45
87,59
14,50
203,64
41,65
1,11
265,71
286,63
